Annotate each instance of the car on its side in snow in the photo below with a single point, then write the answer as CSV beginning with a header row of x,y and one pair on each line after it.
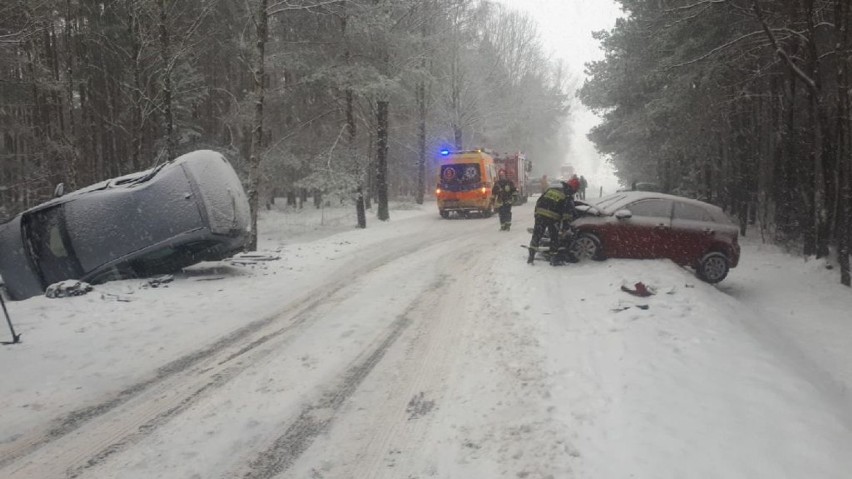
x,y
649,225
190,209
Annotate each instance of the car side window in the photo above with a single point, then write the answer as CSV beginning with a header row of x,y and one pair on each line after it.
x,y
686,211
653,208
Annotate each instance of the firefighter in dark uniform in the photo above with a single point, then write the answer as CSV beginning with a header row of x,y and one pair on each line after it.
x,y
552,206
505,193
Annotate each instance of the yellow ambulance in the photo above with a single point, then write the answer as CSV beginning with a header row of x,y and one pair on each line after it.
x,y
465,180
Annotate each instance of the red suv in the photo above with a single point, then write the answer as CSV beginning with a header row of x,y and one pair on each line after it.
x,y
647,225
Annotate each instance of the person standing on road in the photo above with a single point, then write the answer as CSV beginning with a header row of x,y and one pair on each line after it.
x,y
583,185
550,208
505,193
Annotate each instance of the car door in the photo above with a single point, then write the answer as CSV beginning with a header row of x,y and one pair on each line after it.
x,y
646,234
693,229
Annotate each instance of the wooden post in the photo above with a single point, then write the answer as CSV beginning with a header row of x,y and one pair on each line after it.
x,y
16,338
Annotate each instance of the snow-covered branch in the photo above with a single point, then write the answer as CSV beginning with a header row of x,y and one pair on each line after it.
x,y
778,49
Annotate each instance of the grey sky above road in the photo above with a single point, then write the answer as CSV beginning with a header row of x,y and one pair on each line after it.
x,y
566,28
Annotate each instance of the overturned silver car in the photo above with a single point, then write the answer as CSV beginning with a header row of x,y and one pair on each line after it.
x,y
157,221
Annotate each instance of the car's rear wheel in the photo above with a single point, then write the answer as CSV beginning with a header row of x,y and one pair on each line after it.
x,y
713,267
587,246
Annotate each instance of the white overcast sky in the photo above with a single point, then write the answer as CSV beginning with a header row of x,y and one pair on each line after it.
x,y
566,28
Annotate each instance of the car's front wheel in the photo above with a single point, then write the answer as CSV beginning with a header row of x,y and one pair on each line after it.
x,y
713,267
444,214
587,246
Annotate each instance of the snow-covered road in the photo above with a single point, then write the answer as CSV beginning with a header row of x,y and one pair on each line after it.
x,y
428,348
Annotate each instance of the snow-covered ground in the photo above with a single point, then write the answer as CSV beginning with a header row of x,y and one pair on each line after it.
x,y
423,347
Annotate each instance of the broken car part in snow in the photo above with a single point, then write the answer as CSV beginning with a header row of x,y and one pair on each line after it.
x,y
67,288
159,281
640,290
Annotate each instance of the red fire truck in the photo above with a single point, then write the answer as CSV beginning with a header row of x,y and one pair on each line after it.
x,y
517,169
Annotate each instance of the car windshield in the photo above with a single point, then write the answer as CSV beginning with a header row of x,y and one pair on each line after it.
x,y
52,252
608,204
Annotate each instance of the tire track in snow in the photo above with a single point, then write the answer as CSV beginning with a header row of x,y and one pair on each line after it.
x,y
139,409
317,417
399,414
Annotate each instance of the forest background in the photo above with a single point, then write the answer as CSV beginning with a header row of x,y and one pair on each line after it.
x,y
743,103
310,98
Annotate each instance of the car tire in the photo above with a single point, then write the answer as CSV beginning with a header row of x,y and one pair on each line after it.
x,y
444,214
488,213
713,267
587,246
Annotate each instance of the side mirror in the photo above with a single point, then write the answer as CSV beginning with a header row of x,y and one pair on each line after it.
x,y
59,190
623,214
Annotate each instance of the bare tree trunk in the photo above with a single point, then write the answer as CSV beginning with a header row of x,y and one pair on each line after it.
x,y
421,109
455,99
360,210
382,159
820,204
458,139
371,175
136,127
421,161
261,25
72,175
844,159
360,207
351,130
167,82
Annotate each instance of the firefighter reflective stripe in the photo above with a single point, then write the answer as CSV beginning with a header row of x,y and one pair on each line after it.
x,y
547,214
551,204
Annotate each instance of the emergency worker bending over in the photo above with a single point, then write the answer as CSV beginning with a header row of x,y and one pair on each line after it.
x,y
552,206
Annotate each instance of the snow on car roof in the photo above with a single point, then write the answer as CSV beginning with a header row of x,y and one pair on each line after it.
x,y
611,203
